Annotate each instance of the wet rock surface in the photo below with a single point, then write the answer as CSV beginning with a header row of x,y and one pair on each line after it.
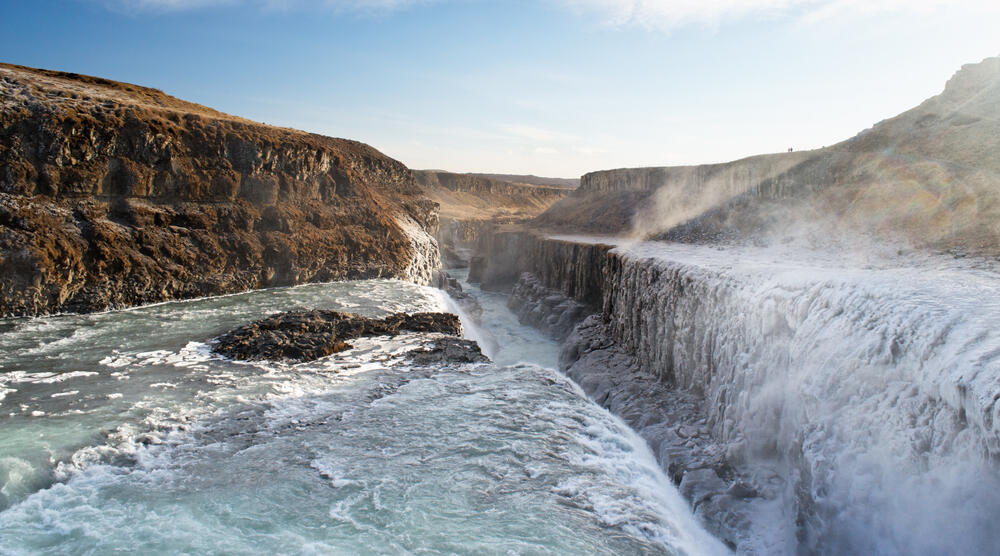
x,y
544,308
310,335
734,505
447,350
468,304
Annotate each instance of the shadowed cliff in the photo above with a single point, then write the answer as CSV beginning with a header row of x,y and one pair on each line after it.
x,y
114,195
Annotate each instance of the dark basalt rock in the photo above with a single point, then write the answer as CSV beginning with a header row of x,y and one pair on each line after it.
x,y
309,335
448,350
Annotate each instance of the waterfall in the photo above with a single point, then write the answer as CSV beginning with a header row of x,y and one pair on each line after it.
x,y
862,394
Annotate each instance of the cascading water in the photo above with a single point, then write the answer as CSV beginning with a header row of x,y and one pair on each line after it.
x,y
121,432
864,396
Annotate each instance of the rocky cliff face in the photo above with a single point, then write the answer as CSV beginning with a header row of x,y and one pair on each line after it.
x,y
729,178
472,206
568,266
927,178
638,201
114,195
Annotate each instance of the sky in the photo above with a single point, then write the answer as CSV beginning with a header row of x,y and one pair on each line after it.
x,y
546,87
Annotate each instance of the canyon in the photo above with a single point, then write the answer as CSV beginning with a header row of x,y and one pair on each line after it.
x,y
803,340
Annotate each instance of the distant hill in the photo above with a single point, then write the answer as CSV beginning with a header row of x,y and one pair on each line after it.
x,y
929,177
477,197
566,183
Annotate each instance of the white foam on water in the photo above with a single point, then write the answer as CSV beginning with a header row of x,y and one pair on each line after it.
x,y
867,386
64,394
44,377
193,453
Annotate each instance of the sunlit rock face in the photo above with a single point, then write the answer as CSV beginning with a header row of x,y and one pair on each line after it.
x,y
115,195
473,207
926,178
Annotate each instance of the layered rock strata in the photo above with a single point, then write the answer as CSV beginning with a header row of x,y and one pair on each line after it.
x,y
472,206
114,195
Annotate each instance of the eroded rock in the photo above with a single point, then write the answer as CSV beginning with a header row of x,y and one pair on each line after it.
x,y
114,195
448,350
310,335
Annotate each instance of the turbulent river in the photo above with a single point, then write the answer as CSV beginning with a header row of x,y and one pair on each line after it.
x,y
121,433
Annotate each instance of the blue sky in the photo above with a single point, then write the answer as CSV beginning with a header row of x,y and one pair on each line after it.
x,y
550,87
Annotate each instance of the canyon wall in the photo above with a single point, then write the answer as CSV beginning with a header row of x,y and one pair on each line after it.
x,y
114,195
571,267
729,178
641,201
803,403
472,206
926,179
468,191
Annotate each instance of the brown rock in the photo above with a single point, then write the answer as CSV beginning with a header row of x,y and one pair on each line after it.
x,y
114,195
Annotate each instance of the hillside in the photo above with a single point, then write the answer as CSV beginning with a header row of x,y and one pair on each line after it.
x,y
113,195
473,205
929,177
475,197
530,179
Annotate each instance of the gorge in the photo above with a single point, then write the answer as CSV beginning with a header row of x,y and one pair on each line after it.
x,y
790,353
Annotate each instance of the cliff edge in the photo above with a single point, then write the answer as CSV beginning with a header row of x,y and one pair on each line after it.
x,y
474,205
114,195
927,178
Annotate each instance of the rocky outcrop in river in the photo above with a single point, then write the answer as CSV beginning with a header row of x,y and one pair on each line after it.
x,y
310,335
114,195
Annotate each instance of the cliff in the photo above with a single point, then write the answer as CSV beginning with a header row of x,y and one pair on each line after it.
x,y
926,178
631,200
114,195
531,179
473,205
474,197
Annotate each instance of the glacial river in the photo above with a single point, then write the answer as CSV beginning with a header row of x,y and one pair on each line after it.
x,y
121,433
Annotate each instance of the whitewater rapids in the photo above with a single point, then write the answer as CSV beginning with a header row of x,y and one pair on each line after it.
x,y
121,432
855,392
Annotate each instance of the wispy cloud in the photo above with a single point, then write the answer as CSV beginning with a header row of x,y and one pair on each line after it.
x,y
652,14
670,14
355,6
537,134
